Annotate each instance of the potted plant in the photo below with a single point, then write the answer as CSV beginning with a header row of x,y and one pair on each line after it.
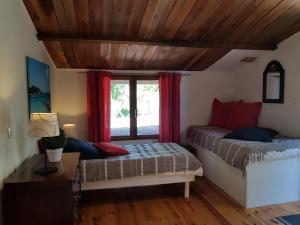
x,y
54,146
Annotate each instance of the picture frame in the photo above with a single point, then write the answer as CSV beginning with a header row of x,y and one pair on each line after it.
x,y
38,86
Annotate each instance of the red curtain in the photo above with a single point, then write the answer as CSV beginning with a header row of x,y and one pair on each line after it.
x,y
169,121
98,106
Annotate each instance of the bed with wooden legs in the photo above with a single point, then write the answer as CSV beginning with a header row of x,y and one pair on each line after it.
x,y
146,164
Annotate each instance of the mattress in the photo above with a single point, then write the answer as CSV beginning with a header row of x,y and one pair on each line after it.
x,y
238,153
142,160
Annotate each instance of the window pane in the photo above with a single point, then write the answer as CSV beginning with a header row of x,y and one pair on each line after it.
x,y
120,110
147,107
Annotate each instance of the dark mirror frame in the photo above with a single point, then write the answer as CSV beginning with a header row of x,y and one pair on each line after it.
x,y
281,88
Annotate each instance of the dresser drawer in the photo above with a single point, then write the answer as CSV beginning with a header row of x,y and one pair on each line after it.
x,y
76,195
77,182
31,199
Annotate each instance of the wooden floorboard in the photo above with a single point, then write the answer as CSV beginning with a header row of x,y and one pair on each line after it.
x,y
165,205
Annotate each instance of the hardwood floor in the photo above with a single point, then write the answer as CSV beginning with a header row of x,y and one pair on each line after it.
x,y
165,205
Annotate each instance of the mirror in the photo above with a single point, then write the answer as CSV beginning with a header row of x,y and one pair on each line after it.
x,y
273,84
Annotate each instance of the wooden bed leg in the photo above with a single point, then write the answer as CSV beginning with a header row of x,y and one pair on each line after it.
x,y
187,189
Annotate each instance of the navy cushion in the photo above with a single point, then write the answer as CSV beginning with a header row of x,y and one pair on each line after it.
x,y
252,134
272,132
87,149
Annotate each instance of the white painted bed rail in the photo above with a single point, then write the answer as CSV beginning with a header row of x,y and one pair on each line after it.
x,y
264,183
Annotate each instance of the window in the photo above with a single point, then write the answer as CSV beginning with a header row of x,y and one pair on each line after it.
x,y
134,107
120,108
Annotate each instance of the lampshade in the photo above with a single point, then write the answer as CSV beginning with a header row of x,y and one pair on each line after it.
x,y
70,129
43,125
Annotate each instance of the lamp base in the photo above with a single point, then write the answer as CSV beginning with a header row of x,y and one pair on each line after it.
x,y
46,171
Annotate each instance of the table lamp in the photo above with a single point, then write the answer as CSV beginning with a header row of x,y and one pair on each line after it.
x,y
70,129
44,125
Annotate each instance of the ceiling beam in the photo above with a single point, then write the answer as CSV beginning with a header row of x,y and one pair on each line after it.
x,y
156,42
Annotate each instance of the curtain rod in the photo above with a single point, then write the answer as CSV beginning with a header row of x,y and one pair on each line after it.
x,y
136,74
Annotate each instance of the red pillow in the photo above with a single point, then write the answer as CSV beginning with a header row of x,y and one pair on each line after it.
x,y
243,115
111,149
220,113
217,113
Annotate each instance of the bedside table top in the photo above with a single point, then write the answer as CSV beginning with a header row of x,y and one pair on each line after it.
x,y
25,172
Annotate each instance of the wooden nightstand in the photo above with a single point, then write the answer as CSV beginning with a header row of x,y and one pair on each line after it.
x,y
31,199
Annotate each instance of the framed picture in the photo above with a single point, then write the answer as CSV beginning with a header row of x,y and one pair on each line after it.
x,y
38,82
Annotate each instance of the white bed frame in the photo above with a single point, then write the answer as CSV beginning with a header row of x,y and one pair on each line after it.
x,y
264,183
166,178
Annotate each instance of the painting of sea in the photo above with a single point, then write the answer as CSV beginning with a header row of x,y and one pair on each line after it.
x,y
38,79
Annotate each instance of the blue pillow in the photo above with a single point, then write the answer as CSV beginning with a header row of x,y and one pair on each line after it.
x,y
87,149
272,132
252,134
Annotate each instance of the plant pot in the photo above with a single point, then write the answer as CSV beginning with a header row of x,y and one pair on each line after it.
x,y
54,155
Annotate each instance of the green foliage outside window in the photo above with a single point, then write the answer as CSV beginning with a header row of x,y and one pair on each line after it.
x,y
119,90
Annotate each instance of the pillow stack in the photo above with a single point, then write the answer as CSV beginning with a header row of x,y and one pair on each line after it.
x,y
89,150
235,115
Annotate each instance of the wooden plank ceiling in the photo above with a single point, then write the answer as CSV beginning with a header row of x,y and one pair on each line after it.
x,y
158,34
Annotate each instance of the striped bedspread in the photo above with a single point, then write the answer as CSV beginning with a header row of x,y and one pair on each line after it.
x,y
142,160
239,153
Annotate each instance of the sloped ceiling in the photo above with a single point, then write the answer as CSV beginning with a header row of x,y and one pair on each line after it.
x,y
158,34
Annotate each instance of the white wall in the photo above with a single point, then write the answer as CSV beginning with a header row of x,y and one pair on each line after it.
x,y
197,93
68,99
249,79
17,41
